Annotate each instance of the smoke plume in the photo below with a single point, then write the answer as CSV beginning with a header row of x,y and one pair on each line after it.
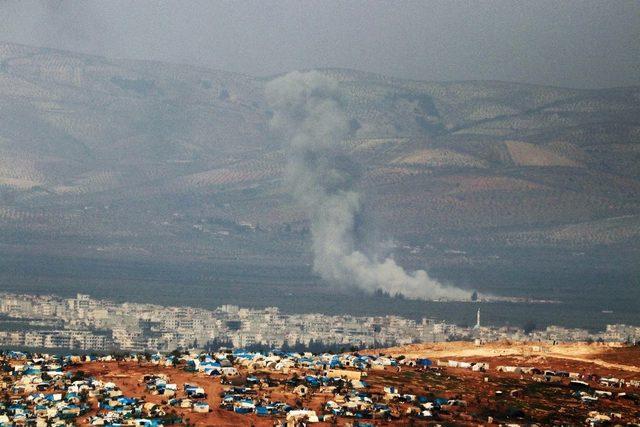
x,y
308,115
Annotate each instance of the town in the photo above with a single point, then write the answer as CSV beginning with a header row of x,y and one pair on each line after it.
x,y
88,324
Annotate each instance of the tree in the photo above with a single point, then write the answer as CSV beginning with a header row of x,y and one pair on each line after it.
x,y
354,126
223,95
77,376
529,327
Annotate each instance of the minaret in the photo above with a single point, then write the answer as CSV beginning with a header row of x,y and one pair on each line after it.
x,y
478,320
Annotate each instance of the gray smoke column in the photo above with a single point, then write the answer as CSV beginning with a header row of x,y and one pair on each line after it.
x,y
308,115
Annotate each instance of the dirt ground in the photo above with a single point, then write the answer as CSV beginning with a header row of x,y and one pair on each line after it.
x,y
487,394
128,377
618,358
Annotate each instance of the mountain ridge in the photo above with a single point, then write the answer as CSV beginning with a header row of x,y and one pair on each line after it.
x,y
161,160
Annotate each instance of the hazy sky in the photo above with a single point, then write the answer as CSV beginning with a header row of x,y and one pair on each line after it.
x,y
580,43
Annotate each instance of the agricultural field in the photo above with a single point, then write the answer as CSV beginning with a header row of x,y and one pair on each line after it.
x,y
117,161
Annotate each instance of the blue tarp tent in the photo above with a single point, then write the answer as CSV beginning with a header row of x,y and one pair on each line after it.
x,y
262,411
424,362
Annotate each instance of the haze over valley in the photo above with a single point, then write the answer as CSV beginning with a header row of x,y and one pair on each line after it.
x,y
138,180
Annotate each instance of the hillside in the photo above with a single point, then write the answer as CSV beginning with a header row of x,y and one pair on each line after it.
x,y
454,383
112,159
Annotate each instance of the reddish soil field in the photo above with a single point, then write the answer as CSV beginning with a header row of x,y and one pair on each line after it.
x,y
501,396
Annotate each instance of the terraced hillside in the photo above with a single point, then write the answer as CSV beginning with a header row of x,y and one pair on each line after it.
x,y
113,159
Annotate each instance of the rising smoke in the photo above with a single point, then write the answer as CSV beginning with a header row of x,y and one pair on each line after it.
x,y
308,115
